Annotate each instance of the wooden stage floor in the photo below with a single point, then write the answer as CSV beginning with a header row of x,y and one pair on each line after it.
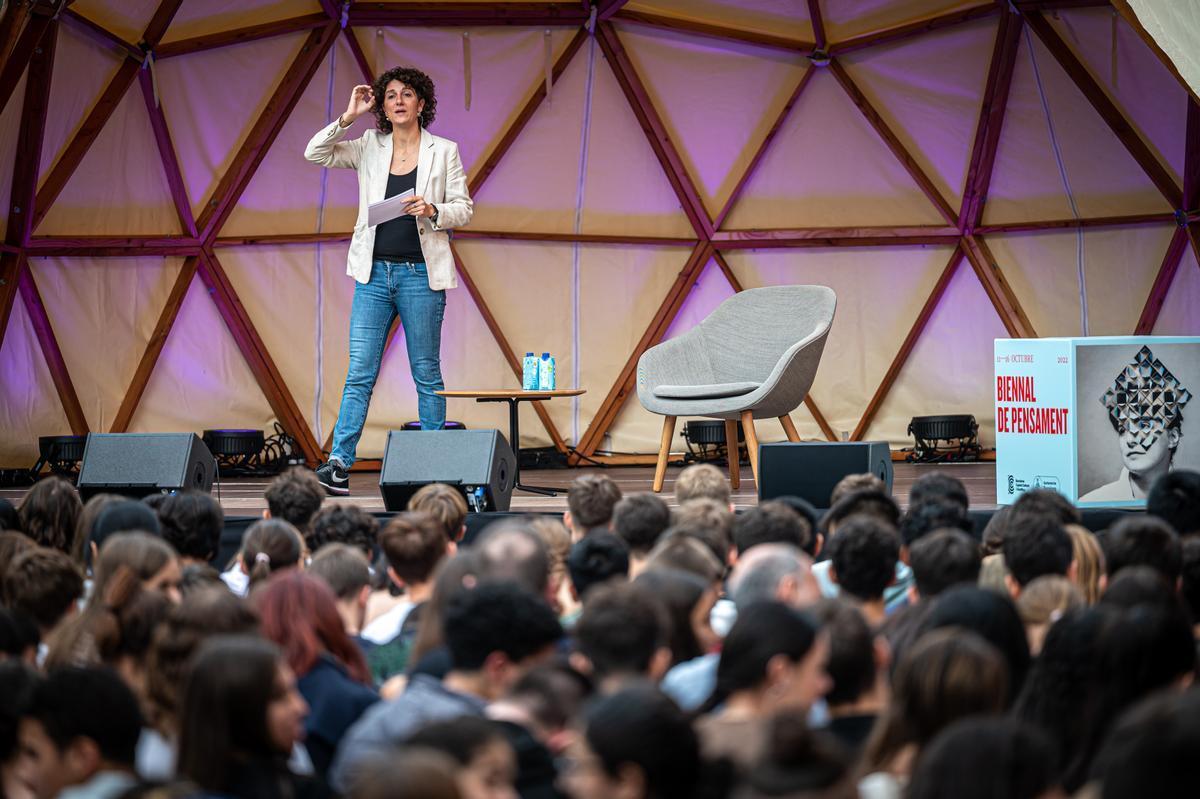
x,y
244,497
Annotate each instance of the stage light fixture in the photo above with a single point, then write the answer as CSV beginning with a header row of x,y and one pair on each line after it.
x,y
448,426
959,431
62,453
706,440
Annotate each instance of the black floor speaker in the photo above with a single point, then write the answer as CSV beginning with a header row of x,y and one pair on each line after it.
x,y
810,470
479,463
138,464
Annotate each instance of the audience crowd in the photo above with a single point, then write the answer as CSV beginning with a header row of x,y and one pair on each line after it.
x,y
629,649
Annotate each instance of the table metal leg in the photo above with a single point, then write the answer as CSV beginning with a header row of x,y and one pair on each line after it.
x,y
514,433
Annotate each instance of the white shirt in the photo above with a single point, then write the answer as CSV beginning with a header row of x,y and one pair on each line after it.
x,y
386,626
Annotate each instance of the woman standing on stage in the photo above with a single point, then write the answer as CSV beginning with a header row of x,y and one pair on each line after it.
x,y
404,265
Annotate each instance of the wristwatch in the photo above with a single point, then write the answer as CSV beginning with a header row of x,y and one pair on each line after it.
x,y
435,215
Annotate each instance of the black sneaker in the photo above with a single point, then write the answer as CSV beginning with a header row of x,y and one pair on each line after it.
x,y
334,478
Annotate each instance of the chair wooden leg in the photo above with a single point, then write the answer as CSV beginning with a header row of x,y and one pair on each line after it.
x,y
732,453
751,441
664,450
789,427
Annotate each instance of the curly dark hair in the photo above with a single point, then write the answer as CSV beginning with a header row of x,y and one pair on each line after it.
x,y
414,79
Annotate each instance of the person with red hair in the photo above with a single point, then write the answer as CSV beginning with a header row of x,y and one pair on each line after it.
x,y
299,613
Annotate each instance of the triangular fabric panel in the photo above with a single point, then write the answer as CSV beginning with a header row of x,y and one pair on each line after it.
x,y
943,373
928,90
828,167
29,405
103,312
710,290
701,88
201,379
846,18
1180,314
634,279
82,69
128,18
1026,183
880,292
1119,269
774,17
1149,95
211,16
120,186
284,194
10,125
212,100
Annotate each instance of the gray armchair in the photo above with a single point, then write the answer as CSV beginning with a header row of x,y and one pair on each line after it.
x,y
754,357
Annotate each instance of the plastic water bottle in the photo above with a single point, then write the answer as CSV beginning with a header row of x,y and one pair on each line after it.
x,y
546,372
529,372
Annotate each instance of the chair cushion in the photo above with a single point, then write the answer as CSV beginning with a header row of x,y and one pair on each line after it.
x,y
705,390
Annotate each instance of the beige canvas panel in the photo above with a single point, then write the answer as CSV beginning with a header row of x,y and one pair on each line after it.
x,y
950,369
772,17
10,125
127,18
828,168
103,312
29,405
201,380
82,69
928,90
1146,92
212,16
120,187
718,99
1180,314
1026,184
212,99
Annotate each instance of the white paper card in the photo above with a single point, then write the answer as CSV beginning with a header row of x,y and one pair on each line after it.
x,y
392,207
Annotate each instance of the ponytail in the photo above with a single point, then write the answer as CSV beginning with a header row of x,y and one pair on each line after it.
x,y
270,545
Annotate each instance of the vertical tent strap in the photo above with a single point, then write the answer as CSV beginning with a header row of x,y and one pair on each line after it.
x,y
148,64
466,51
379,51
580,186
319,326
1062,172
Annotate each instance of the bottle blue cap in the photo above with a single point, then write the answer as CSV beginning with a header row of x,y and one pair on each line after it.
x,y
545,355
529,355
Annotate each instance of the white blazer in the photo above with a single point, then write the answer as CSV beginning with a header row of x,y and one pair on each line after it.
x,y
440,180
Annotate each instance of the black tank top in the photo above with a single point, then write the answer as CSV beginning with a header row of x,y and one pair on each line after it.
x,y
397,239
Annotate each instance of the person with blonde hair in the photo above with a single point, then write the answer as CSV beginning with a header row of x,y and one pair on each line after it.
x,y
444,503
1042,603
702,480
1091,571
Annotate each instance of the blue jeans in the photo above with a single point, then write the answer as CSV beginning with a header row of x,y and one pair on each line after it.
x,y
395,288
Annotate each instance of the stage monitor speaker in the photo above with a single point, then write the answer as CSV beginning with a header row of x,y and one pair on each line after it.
x,y
810,470
479,463
138,464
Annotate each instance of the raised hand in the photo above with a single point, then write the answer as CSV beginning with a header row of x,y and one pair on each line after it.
x,y
362,100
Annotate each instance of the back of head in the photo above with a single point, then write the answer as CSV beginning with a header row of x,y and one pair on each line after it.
x,y
992,616
89,703
807,513
1142,541
942,559
270,545
1090,566
639,519
770,523
800,762
414,544
411,773
621,628
343,523
9,518
759,575
88,515
12,543
862,503
1175,498
444,503
508,550
1036,544
702,480
461,738
192,522
552,694
1047,598
124,516
49,511
687,554
761,633
1139,585
1151,751
299,613
591,499
343,568
864,551
142,553
640,727
295,496
938,486
852,666
115,629
851,483
707,521
596,559
19,637
680,592
1047,501
986,758
933,514
43,584
497,617
1189,589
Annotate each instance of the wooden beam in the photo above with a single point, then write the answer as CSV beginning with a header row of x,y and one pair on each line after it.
x,y
1191,161
1130,17
27,45
44,331
432,15
606,8
266,128
575,238
111,246
510,355
1159,175
30,136
763,146
909,30
12,263
526,113
257,358
166,152
154,347
1162,283
909,343
12,23
250,33
793,237
656,131
280,238
682,25
818,24
1072,224
893,142
999,292
622,387
101,34
991,121
360,56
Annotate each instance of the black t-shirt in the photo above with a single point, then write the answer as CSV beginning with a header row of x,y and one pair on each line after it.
x,y
397,239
